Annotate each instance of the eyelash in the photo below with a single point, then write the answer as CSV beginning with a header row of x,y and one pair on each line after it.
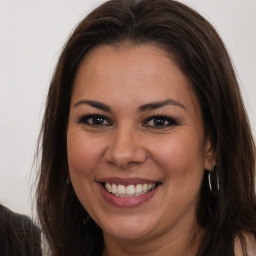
x,y
85,119
162,118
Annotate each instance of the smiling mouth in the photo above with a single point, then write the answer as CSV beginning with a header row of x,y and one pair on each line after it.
x,y
120,190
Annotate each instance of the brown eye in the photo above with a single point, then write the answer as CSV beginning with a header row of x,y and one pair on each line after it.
x,y
159,122
95,120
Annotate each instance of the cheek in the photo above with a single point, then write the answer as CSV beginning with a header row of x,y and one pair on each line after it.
x,y
181,155
83,156
83,153
182,162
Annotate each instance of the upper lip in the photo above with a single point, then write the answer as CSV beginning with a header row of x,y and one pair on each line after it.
x,y
127,181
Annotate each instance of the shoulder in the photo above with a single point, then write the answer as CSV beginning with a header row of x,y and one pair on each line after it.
x,y
15,222
250,242
18,233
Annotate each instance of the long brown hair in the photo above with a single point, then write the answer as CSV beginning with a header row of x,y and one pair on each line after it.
x,y
201,55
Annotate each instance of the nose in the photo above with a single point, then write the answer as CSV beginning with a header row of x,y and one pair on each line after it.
x,y
125,148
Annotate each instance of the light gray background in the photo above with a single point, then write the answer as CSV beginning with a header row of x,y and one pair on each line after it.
x,y
31,36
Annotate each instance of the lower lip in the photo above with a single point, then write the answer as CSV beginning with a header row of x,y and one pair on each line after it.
x,y
125,202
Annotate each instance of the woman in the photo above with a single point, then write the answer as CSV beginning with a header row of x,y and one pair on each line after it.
x,y
146,146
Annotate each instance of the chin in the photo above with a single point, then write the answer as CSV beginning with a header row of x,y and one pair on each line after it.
x,y
129,229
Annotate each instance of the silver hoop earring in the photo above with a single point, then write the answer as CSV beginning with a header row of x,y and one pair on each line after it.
x,y
214,179
209,180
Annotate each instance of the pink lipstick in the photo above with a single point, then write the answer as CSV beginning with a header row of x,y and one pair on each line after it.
x,y
129,192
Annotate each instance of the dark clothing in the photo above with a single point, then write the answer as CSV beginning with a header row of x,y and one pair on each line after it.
x,y
18,235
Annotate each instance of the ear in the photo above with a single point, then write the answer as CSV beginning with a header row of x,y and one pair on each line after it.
x,y
209,155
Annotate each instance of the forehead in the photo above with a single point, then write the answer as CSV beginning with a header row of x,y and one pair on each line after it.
x,y
119,71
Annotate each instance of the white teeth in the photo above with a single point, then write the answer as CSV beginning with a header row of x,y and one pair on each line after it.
x,y
130,190
138,189
144,187
113,189
121,189
108,187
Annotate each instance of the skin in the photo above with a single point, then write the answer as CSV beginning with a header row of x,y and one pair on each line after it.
x,y
126,145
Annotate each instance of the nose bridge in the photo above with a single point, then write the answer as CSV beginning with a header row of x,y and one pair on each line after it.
x,y
125,148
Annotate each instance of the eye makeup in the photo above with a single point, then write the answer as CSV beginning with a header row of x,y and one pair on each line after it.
x,y
94,119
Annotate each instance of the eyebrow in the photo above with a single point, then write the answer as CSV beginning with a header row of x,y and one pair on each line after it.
x,y
159,104
142,108
94,104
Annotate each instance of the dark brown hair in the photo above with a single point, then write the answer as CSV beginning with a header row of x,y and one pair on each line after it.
x,y
201,55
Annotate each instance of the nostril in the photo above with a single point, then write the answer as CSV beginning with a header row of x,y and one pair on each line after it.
x,y
125,148
125,159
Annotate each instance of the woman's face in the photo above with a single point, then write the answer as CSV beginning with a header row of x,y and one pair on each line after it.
x,y
136,145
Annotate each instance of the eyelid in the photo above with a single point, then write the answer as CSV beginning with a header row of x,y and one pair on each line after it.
x,y
85,117
172,121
